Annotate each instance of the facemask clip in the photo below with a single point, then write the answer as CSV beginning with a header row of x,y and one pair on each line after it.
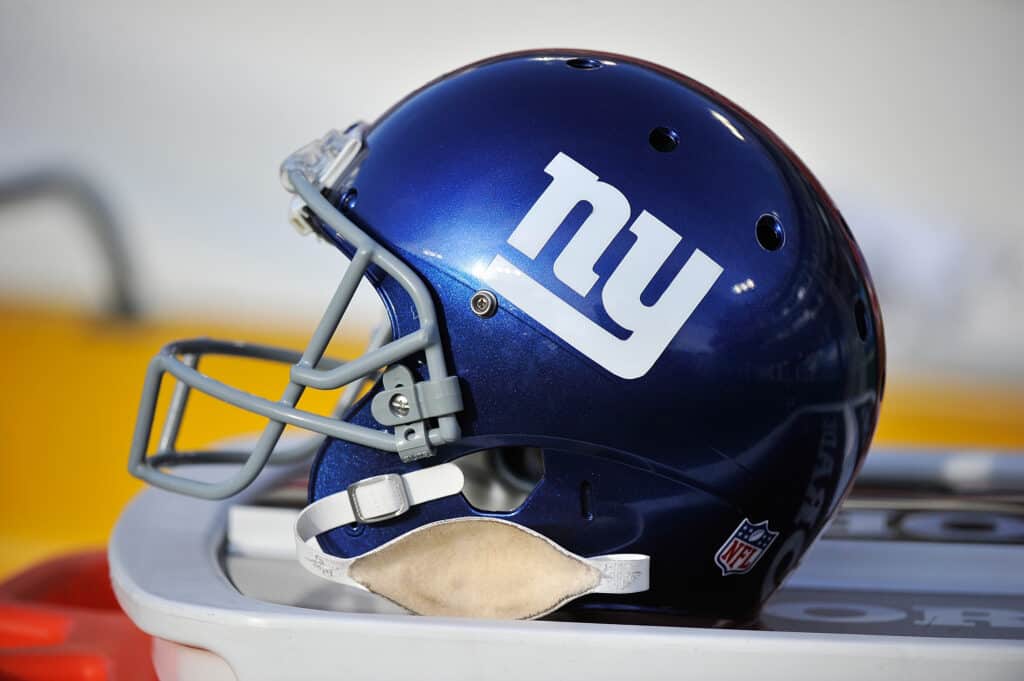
x,y
325,160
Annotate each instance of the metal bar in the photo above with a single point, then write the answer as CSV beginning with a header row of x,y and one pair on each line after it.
x,y
176,411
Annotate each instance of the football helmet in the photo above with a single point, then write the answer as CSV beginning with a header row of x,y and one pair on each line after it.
x,y
616,301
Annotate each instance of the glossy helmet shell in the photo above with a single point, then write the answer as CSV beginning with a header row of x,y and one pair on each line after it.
x,y
761,407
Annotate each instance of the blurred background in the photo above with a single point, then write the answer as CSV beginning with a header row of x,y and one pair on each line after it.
x,y
169,120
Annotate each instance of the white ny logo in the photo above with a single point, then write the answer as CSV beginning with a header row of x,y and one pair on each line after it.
x,y
653,326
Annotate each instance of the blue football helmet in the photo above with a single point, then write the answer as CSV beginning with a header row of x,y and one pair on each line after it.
x,y
621,310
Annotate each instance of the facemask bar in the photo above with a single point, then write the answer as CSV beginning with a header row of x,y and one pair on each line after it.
x,y
312,169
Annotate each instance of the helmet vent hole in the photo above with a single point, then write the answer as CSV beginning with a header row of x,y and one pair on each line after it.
x,y
500,480
586,503
663,139
584,63
770,234
860,314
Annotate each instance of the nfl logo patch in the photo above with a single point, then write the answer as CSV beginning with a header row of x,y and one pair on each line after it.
x,y
741,551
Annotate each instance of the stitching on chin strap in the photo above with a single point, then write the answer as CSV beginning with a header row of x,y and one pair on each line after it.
x,y
388,496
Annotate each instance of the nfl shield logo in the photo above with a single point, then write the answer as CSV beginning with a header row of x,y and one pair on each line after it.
x,y
741,551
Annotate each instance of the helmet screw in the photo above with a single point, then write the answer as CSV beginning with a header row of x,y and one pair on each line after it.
x,y
399,405
484,304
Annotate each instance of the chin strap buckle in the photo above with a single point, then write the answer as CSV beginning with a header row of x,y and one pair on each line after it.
x,y
381,497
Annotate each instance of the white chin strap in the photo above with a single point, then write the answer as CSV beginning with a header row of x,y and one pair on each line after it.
x,y
463,567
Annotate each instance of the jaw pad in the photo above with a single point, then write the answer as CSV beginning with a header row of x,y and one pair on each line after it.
x,y
475,567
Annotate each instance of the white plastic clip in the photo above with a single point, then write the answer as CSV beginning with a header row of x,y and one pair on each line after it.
x,y
323,161
298,217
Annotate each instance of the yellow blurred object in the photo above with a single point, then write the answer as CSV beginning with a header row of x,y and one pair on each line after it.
x,y
926,411
71,385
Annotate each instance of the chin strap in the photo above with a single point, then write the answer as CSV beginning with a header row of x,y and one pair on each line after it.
x,y
469,567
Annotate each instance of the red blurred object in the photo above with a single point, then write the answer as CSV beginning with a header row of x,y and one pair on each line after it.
x,y
59,621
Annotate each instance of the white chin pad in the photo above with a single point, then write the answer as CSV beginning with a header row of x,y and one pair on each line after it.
x,y
475,567
464,567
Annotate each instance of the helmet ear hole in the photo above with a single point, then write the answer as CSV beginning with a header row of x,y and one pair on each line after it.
x,y
500,480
